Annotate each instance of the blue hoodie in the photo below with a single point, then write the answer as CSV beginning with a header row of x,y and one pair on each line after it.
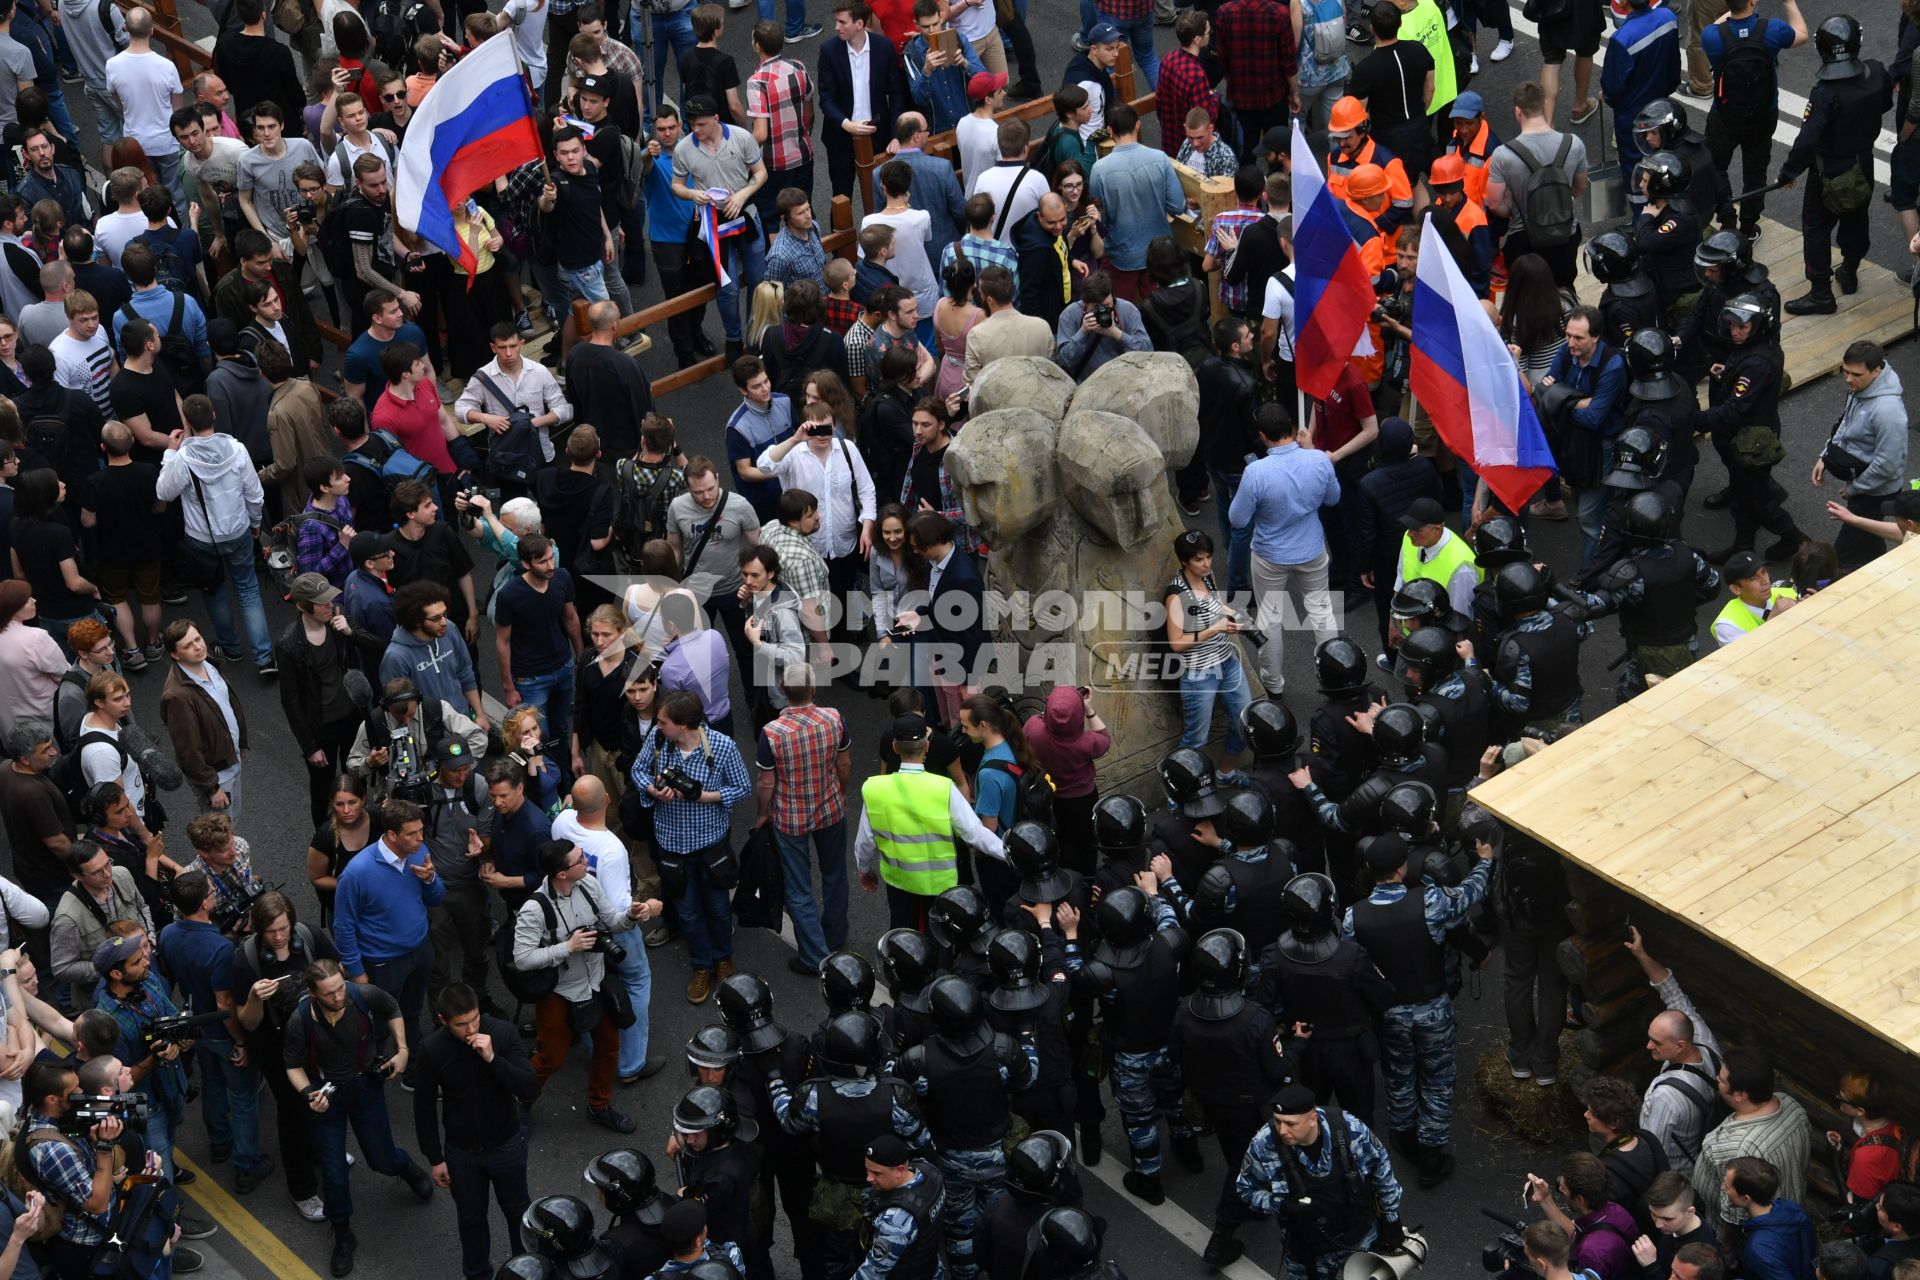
x,y
438,668
1779,1245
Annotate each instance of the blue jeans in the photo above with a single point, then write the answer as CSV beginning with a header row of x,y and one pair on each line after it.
x,y
553,694
404,977
670,31
1238,542
237,553
638,977
706,916
818,927
504,1168
230,1103
158,1135
363,1104
1139,34
1198,689
796,15
588,283
746,259
57,109
172,173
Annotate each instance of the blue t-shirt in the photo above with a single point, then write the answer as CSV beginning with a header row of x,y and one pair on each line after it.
x,y
668,216
363,359
995,793
1717,37
199,959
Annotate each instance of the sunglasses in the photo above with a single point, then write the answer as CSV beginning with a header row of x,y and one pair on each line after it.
x,y
394,97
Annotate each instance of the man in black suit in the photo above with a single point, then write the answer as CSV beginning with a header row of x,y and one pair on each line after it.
x,y
886,91
951,630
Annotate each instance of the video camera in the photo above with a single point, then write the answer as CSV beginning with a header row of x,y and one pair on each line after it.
x,y
89,1109
674,778
1858,1219
177,1029
232,914
1506,1253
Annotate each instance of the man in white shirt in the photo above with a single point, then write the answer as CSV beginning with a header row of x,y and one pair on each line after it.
x,y
837,476
528,18
526,384
978,135
913,249
351,113
113,230
998,181
149,89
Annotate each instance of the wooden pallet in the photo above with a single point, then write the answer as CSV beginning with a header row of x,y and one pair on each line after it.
x,y
1882,309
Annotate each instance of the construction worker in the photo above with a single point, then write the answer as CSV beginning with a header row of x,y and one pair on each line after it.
x,y
1452,201
1351,148
1473,140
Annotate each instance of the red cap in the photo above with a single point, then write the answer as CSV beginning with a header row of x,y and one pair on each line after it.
x,y
985,84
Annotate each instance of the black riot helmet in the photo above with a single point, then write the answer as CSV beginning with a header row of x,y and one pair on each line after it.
x,y
1667,175
1064,1242
851,1049
559,1228
1727,252
1408,809
625,1179
1614,259
1425,601
1650,363
1191,783
906,957
1430,652
1125,924
1748,309
1034,852
715,1046
1211,895
1309,905
1838,41
1519,589
960,918
1399,733
1270,728
846,980
1119,824
1659,125
709,1110
711,1269
1639,458
1249,819
1500,541
747,1007
1219,965
1013,957
1339,666
1648,519
959,1016
528,1266
1038,1165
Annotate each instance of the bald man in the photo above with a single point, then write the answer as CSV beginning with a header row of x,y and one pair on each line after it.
x,y
585,824
606,385
209,88
1048,277
1680,1104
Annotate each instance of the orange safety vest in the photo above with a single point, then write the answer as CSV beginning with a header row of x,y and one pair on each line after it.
x,y
1475,156
1376,252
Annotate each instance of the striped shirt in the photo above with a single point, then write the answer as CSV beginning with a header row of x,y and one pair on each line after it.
x,y
1197,613
802,571
1781,1139
1236,220
85,366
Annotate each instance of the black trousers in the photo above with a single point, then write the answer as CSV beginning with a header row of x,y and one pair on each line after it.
x,y
671,260
1563,259
1754,141
1343,1068
1020,42
1234,1127
1818,227
265,1047
1856,546
432,278
336,740
1073,824
1756,506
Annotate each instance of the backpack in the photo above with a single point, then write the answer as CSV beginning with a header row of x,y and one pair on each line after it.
x,y
799,365
177,354
282,547
643,516
168,269
517,453
68,775
116,36
334,249
631,189
1712,1105
1548,199
384,455
47,437
1326,33
529,985
1748,79
395,25
1187,334
1032,794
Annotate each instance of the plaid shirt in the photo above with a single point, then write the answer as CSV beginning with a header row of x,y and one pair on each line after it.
x,y
618,56
235,879
860,348
66,1168
1217,161
687,826
983,254
1236,220
842,315
522,196
802,571
778,92
1183,85
805,744
317,547
1254,39
1124,10
791,257
949,504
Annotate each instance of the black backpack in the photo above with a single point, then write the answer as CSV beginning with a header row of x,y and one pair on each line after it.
x,y
1745,85
643,513
334,250
1033,793
1551,217
1186,334
168,267
529,985
395,25
70,778
177,355
47,438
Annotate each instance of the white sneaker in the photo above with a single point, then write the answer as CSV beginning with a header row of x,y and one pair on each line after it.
x,y
1502,51
313,1209
1473,68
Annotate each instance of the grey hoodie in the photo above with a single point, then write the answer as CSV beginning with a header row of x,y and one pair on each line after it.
x,y
1874,426
439,668
241,397
228,479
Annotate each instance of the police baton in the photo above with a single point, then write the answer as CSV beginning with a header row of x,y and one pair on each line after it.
x,y
1757,191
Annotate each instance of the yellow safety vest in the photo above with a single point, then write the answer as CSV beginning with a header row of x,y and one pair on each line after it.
x,y
912,826
1737,612
1453,552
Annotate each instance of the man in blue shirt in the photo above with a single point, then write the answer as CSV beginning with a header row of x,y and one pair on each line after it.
x,y
1746,122
1643,63
519,829
387,324
1280,499
380,912
937,79
765,417
669,218
1139,191
1599,374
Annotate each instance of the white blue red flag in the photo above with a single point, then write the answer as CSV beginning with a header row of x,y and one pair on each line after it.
x,y
1332,294
475,124
1466,379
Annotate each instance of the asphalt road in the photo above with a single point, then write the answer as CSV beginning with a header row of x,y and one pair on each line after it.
x,y
401,1238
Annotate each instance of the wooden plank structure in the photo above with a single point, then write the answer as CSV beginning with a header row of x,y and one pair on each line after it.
x,y
1881,310
1755,816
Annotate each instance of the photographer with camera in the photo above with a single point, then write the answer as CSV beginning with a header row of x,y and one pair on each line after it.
x,y
1543,1250
396,743
225,859
564,929
199,959
1601,1232
100,894
336,1054
135,997
1096,328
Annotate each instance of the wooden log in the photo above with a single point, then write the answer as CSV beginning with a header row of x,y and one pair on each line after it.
x,y
1599,1046
1601,970
1598,916
1633,1006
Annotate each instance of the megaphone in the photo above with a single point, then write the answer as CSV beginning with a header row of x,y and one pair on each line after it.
x,y
1410,1257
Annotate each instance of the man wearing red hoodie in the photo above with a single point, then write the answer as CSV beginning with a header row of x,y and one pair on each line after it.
x,y
1067,738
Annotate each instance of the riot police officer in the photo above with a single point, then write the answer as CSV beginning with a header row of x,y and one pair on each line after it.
x,y
1399,734
842,1111
963,1074
560,1229
904,1203
696,1255
1274,734
1657,589
1325,1176
1628,302
1662,126
1339,755
1536,659
1031,991
717,1163
1404,928
631,1193
528,1266
1066,1243
1744,420
1433,671
1134,974
1660,402
1120,833
1497,543
1034,853
1724,266
1668,232
846,982
1232,1058
1039,1177
907,961
961,922
1193,794
1316,982
784,1161
1243,889
1835,152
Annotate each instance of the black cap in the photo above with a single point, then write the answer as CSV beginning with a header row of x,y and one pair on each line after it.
x,y
1386,855
699,106
1294,1100
1423,512
911,727
682,1223
367,546
452,753
1906,504
596,84
1743,565
1276,141
889,1150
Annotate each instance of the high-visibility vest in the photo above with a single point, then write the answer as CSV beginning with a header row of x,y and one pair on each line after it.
x,y
1740,614
1452,552
912,826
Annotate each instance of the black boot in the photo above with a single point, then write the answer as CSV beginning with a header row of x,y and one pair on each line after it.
x,y
1847,276
344,1243
1405,1141
1817,301
1788,545
1090,1145
1187,1152
1145,1187
1222,1249
1435,1166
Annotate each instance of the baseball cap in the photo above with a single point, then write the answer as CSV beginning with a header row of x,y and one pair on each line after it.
x,y
889,1151
452,753
113,954
1423,512
312,588
597,85
1742,566
1467,105
1276,141
1386,855
699,106
368,546
985,84
909,728
1104,33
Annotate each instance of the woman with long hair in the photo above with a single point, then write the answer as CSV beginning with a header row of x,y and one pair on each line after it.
x,y
954,316
801,339
1085,244
890,564
347,830
1007,764
824,385
1200,628
605,662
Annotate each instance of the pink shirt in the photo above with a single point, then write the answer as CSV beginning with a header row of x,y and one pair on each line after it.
x,y
31,665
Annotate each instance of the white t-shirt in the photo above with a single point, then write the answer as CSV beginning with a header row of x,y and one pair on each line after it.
x,y
975,22
998,181
146,84
114,231
606,857
912,243
1279,306
85,366
328,49
339,175
100,762
979,142
529,19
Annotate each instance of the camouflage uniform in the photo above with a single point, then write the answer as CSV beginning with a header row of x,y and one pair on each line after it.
x,y
894,1231
974,1176
718,1250
1263,1185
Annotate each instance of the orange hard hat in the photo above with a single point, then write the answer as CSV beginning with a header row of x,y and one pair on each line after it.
x,y
1367,180
1446,170
1348,114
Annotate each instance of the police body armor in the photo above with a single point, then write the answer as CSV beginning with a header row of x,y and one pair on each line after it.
x,y
749,1081
638,1249
1341,755
1670,419
1172,832
1395,934
1703,175
1467,726
1258,888
922,1201
1343,1204
1147,995
1704,345
966,1104
1554,657
1213,1059
1361,809
848,1124
1293,816
1622,315
1049,1023
1665,614
1857,104
1320,991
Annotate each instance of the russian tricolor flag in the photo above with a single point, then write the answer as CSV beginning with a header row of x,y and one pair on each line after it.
x,y
1465,377
1332,295
475,124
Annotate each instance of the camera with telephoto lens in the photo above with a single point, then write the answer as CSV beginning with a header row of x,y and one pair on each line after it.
x,y
1255,636
1857,1220
1548,737
233,913
674,778
604,944
89,1109
493,496
1506,1252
